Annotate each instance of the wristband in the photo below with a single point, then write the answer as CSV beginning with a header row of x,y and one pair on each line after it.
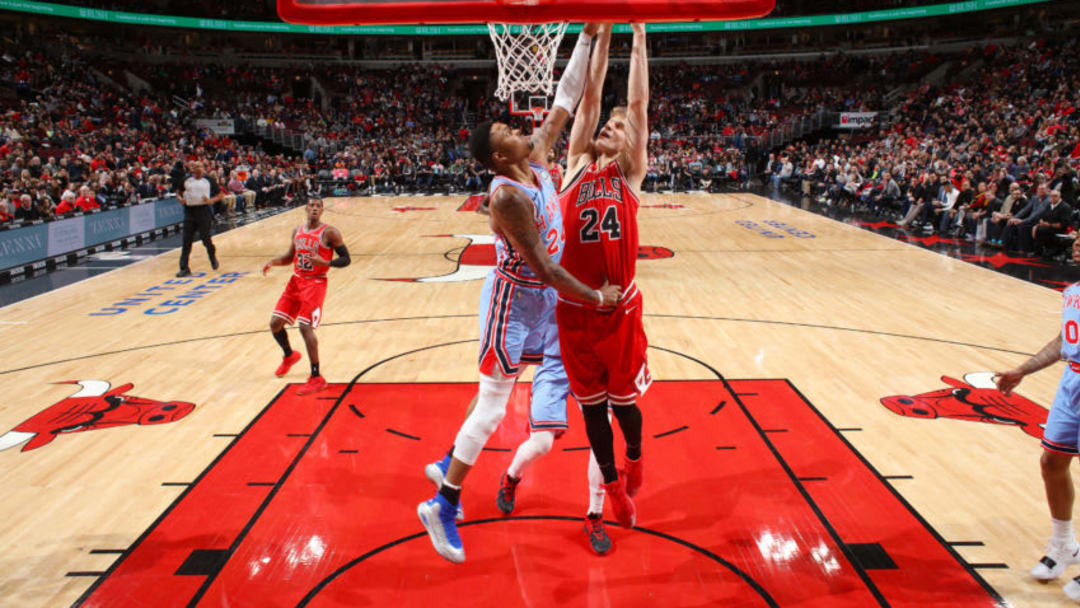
x,y
599,298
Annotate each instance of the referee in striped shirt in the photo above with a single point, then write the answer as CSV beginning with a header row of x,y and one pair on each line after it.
x,y
197,195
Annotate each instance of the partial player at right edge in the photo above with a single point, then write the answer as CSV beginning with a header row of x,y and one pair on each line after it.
x,y
1061,437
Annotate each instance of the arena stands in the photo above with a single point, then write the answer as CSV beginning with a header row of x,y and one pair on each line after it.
x,y
1011,121
115,122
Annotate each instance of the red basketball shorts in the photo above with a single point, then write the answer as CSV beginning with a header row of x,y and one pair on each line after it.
x,y
302,301
604,352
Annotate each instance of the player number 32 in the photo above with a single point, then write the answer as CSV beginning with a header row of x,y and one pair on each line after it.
x,y
610,224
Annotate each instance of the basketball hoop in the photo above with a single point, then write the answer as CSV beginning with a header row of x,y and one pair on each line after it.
x,y
526,56
538,113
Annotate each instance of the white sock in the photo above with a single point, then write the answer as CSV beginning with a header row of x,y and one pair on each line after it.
x,y
1063,531
538,444
596,492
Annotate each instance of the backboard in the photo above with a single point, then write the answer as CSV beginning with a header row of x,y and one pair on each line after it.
x,y
354,12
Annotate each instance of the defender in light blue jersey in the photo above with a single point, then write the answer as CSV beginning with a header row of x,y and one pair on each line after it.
x,y
517,307
1061,437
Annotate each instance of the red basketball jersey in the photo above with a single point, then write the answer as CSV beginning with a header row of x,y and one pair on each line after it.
x,y
600,221
309,245
556,177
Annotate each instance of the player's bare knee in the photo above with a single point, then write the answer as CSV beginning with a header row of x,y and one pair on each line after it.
x,y
1054,464
276,324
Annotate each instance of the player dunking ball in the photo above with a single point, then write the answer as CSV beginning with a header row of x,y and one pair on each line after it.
x,y
542,430
1061,437
311,251
603,347
516,309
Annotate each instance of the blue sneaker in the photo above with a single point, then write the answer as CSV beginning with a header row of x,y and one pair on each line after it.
x,y
436,515
436,472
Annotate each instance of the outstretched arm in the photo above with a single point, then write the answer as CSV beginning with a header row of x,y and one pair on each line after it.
x,y
1050,354
512,214
283,260
584,127
636,158
567,96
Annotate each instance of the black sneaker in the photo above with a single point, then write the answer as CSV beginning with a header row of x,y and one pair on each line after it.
x,y
214,263
598,538
184,272
507,489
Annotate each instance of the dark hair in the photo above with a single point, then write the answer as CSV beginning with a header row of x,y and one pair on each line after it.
x,y
480,144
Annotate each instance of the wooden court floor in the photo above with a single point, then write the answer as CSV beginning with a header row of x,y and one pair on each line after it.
x,y
792,321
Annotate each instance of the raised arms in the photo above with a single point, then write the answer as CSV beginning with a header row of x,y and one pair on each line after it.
x,y
588,115
636,158
566,97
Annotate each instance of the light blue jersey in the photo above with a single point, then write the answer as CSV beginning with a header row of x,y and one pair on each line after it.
x,y
1070,324
1062,431
517,311
509,263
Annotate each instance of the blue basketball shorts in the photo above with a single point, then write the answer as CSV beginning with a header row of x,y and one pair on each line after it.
x,y
517,327
1062,432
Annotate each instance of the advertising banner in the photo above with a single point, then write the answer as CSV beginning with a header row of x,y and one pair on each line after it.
x,y
221,126
21,246
856,120
66,235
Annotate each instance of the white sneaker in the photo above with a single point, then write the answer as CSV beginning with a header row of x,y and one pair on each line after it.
x,y
1072,589
1057,558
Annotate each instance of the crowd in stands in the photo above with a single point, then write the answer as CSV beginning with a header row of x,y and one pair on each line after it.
x,y
69,143
993,159
398,133
380,131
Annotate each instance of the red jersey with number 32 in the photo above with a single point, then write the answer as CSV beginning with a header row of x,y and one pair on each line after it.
x,y
600,221
308,244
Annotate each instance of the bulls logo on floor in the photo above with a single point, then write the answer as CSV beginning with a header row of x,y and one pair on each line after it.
x,y
751,499
976,399
478,257
93,407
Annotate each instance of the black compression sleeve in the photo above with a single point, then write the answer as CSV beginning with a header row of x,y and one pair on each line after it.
x,y
343,258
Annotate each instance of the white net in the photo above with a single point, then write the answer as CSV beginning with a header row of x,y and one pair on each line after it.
x,y
526,55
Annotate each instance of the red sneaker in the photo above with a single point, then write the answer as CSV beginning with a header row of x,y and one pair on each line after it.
x,y
313,385
287,363
632,470
621,505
